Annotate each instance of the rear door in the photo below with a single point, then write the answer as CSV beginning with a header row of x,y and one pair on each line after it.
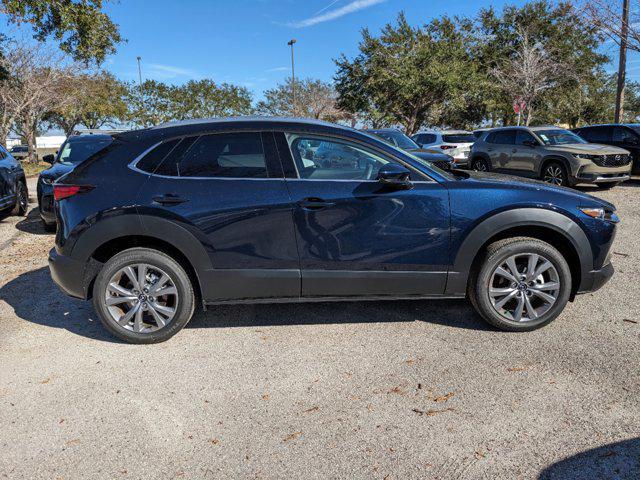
x,y
5,179
357,237
228,190
500,145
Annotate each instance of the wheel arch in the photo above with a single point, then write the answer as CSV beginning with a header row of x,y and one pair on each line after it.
x,y
546,160
552,227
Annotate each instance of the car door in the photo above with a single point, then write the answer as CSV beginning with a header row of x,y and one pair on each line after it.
x,y
228,190
499,148
357,237
627,138
5,179
524,155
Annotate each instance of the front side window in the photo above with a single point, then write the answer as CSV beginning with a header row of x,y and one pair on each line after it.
x,y
622,135
397,139
328,159
523,137
559,136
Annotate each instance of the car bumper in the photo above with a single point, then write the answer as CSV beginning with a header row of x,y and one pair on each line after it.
x,y
47,212
595,279
68,274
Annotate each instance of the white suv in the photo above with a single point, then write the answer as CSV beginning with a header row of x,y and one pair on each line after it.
x,y
456,143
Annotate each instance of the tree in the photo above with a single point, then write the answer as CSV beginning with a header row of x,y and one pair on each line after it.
x,y
409,75
314,99
98,100
204,99
82,29
32,88
150,103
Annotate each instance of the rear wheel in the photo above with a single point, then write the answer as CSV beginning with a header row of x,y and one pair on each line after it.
x,y
22,200
555,174
143,296
480,165
521,284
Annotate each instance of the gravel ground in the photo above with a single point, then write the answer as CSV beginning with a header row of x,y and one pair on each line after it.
x,y
372,390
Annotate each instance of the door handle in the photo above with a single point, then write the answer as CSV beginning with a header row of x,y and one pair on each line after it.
x,y
313,203
169,199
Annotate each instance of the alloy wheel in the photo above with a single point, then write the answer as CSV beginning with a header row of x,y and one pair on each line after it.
x,y
553,174
141,298
23,197
480,166
524,287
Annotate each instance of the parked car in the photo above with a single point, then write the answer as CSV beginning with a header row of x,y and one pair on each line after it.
x,y
456,143
74,150
226,211
398,139
625,136
552,154
19,152
14,195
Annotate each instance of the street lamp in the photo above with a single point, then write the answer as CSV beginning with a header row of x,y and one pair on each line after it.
x,y
139,71
293,77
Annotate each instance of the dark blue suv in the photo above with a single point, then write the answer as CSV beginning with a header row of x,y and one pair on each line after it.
x,y
287,210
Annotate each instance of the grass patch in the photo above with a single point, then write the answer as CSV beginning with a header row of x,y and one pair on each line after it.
x,y
31,169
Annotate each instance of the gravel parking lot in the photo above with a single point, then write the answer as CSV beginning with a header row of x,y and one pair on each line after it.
x,y
344,390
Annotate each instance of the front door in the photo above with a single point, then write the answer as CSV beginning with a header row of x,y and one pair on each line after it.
x,y
228,190
525,158
357,237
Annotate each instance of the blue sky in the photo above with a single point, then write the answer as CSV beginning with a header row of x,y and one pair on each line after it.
x,y
245,41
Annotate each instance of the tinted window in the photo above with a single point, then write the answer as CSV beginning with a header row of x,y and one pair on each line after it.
x,y
334,160
3,153
169,166
503,137
74,152
621,134
237,155
595,134
154,158
559,136
397,139
523,136
425,138
459,138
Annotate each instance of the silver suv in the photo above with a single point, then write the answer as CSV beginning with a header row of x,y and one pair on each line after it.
x,y
552,154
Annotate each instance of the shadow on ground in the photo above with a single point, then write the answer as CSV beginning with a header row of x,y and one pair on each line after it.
x,y
32,223
53,309
619,460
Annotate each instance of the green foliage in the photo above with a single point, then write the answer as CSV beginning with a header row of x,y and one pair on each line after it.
x,y
81,28
156,102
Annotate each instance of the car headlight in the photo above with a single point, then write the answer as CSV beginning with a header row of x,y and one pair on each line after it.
x,y
47,180
585,156
601,214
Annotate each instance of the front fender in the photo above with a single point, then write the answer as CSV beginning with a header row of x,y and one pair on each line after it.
x,y
519,217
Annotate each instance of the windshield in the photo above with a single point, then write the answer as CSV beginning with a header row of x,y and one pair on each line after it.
x,y
72,153
558,136
459,138
397,139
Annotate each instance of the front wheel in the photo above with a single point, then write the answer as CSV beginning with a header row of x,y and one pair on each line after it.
x,y
521,284
480,165
22,200
555,174
143,296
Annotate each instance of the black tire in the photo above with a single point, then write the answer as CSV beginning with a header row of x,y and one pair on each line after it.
x,y
496,255
555,173
22,200
48,227
185,300
607,185
480,165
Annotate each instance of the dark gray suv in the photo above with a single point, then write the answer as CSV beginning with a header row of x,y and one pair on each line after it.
x,y
552,154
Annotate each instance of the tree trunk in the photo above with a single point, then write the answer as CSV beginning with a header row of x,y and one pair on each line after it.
x,y
622,63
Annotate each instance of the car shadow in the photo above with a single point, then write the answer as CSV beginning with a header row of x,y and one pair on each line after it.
x,y
32,223
620,460
52,308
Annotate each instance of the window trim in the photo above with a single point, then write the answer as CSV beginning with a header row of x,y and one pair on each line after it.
x,y
340,138
133,165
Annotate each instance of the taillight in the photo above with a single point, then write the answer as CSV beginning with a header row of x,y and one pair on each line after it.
x,y
447,147
65,191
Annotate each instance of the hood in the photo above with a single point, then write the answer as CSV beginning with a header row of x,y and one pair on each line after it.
x,y
588,148
510,181
56,170
430,156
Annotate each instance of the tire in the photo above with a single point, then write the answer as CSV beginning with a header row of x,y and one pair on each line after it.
x,y
48,227
148,329
22,200
555,173
520,249
480,165
607,185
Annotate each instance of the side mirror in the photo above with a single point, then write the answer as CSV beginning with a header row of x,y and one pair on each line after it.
x,y
394,175
49,159
530,143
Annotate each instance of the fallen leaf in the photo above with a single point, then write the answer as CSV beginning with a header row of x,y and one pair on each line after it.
x,y
621,254
479,454
292,436
443,398
628,320
214,441
410,362
312,409
516,369
265,396
431,413
75,441
46,380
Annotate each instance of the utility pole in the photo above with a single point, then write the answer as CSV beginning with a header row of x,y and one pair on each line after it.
x,y
622,62
139,72
293,77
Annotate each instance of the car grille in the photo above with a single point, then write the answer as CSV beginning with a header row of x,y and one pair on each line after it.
x,y
442,164
617,160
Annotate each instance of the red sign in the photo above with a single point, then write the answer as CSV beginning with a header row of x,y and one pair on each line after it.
x,y
519,105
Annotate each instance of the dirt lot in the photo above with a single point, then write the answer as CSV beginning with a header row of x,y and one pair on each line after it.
x,y
370,390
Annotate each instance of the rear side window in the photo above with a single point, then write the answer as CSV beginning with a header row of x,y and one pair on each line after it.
x,y
595,135
504,137
459,138
154,158
229,155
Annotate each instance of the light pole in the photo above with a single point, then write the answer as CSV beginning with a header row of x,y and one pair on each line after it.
x,y
139,71
293,77
622,62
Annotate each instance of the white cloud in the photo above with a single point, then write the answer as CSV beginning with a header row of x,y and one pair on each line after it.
x,y
158,70
278,69
351,7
